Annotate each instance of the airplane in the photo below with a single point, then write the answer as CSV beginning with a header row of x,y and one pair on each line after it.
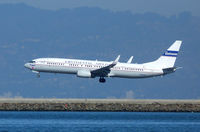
x,y
91,69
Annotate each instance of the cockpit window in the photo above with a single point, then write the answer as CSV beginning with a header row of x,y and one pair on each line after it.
x,y
31,61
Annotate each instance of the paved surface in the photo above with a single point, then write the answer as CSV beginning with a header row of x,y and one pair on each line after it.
x,y
54,100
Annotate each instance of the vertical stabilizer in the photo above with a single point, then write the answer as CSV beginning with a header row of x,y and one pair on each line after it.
x,y
167,60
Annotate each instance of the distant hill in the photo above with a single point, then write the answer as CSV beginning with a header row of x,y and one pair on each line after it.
x,y
93,33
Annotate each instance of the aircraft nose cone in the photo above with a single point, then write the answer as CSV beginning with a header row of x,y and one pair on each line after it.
x,y
26,65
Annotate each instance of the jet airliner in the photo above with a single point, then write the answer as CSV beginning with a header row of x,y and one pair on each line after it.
x,y
91,69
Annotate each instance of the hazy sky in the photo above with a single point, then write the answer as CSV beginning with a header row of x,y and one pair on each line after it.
x,y
27,33
166,7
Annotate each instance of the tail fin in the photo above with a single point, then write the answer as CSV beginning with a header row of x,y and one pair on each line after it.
x,y
167,60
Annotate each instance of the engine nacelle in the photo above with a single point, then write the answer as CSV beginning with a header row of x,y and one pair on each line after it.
x,y
84,73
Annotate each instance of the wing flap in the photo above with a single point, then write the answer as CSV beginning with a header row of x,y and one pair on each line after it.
x,y
103,72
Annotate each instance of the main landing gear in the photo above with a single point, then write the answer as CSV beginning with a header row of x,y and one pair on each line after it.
x,y
102,80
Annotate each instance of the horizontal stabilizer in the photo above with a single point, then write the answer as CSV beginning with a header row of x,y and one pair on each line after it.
x,y
170,70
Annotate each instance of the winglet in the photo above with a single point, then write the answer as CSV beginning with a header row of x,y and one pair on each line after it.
x,y
130,60
116,60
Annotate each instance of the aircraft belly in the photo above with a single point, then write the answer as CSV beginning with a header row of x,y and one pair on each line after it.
x,y
135,74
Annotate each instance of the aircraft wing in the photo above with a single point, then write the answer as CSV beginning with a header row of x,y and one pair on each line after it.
x,y
103,72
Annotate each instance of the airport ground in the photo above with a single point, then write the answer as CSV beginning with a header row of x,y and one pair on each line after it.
x,y
125,105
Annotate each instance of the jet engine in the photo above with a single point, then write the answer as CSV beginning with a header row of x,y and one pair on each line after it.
x,y
84,73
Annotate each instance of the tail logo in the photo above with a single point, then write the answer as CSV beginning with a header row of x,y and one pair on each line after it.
x,y
171,53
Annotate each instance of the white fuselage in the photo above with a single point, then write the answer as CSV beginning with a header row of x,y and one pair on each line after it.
x,y
72,66
90,69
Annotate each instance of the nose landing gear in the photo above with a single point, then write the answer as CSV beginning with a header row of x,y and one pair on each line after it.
x,y
38,75
102,80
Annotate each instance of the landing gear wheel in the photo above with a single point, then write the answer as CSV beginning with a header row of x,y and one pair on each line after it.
x,y
38,75
102,80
